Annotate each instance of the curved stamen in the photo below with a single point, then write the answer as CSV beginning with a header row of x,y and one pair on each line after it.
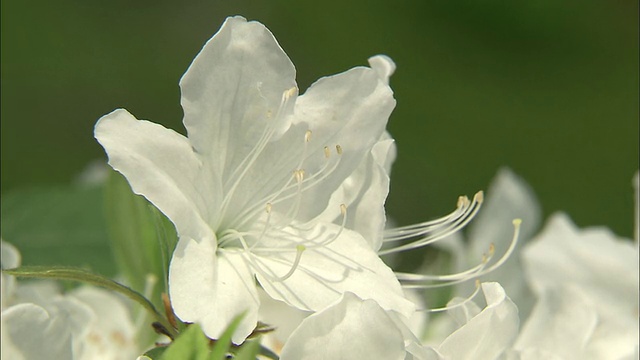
x,y
299,250
463,275
343,212
436,233
472,273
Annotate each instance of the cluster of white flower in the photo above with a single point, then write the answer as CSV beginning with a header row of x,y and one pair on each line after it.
x,y
278,201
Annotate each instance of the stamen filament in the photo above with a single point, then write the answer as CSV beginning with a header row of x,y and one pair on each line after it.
x,y
437,232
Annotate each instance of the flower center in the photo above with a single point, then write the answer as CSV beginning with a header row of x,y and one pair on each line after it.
x,y
267,226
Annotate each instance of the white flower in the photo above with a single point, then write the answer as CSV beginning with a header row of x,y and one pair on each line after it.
x,y
577,290
39,322
249,190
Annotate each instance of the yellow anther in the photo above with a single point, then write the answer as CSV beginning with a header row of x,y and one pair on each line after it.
x,y
327,152
492,249
268,208
307,136
479,196
517,222
343,209
301,248
299,175
339,149
289,93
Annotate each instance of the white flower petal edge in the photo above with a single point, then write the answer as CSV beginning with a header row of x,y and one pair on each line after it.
x,y
246,188
350,329
488,334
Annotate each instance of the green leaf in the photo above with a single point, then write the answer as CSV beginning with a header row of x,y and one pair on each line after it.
x,y
138,236
155,353
192,344
249,350
75,274
222,345
58,226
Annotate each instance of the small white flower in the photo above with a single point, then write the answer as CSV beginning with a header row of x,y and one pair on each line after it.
x,y
39,322
250,189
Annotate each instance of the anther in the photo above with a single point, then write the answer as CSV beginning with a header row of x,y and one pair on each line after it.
x,y
299,175
307,136
268,208
289,93
339,149
343,209
327,152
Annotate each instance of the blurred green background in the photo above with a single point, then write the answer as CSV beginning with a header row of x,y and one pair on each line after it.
x,y
548,88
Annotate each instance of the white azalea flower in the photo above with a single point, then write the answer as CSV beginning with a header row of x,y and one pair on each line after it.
x,y
249,190
39,322
577,290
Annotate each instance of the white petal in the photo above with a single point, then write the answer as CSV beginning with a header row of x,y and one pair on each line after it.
x,y
10,259
212,289
383,65
350,109
350,329
364,193
39,333
325,273
487,335
562,322
509,197
604,266
284,318
232,91
160,165
112,334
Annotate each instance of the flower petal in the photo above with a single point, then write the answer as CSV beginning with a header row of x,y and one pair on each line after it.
x,y
212,289
325,272
350,329
604,266
364,193
562,322
232,91
487,335
335,108
159,165
10,259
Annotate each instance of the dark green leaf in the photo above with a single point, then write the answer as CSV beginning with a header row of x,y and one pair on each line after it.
x,y
58,226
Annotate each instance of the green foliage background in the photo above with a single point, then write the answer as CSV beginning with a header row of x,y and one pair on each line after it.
x,y
547,88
